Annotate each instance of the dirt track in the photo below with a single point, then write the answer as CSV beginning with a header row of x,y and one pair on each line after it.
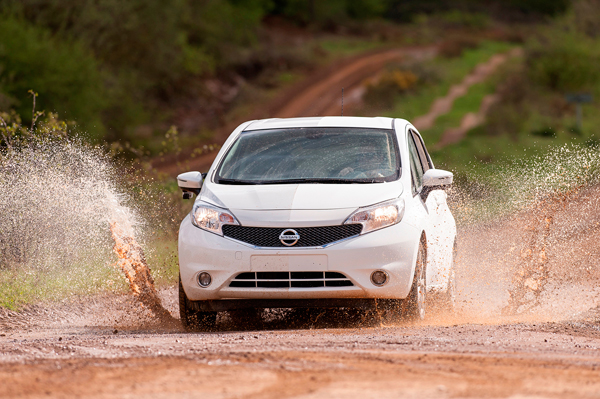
x,y
323,97
106,347
318,95
464,360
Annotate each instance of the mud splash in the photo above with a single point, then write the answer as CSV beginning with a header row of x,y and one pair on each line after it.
x,y
533,272
61,212
132,262
527,239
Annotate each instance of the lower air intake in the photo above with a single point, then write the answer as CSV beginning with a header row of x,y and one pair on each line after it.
x,y
290,280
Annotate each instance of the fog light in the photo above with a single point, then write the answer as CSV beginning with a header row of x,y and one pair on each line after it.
x,y
204,279
379,277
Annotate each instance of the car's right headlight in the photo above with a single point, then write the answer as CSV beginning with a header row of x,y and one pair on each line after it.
x,y
211,218
378,216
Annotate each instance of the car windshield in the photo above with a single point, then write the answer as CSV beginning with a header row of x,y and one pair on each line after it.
x,y
311,155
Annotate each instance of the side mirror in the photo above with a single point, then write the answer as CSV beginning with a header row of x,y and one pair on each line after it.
x,y
190,183
436,179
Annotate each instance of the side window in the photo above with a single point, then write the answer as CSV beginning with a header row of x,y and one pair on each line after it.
x,y
416,168
423,155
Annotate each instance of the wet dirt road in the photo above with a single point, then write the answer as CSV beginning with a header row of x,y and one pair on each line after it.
x,y
108,347
533,359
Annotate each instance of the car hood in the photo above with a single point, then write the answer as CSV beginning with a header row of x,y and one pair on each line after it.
x,y
299,196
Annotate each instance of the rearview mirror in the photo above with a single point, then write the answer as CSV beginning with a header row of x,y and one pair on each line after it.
x,y
436,179
190,183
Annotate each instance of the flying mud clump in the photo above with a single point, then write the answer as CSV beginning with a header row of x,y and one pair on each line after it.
x,y
59,207
132,262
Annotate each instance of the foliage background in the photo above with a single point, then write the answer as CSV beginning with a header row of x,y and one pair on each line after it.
x,y
113,66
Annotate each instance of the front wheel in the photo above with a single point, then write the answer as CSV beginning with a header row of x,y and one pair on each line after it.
x,y
450,297
414,306
192,319
445,302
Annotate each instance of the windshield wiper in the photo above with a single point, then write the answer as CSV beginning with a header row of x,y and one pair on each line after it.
x,y
236,182
320,181
300,181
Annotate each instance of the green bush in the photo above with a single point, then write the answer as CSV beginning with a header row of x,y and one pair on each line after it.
x,y
63,73
406,10
148,51
217,30
397,81
458,19
329,13
564,61
162,40
455,47
541,7
390,85
138,34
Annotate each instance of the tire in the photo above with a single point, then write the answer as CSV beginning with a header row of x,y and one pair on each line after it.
x,y
246,319
451,292
450,298
445,302
414,306
192,319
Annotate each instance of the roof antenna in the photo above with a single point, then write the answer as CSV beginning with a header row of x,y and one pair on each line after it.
x,y
342,101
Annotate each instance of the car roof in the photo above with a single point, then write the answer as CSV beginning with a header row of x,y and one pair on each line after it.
x,y
324,121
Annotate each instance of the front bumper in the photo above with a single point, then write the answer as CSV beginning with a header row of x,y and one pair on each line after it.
x,y
392,249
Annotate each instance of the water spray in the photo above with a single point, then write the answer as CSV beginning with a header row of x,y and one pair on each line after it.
x,y
512,221
59,203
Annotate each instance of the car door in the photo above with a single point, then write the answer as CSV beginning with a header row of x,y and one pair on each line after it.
x,y
417,213
440,226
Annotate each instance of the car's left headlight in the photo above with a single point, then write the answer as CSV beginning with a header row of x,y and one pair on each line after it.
x,y
211,218
378,216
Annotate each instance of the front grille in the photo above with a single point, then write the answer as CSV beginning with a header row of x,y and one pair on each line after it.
x,y
309,236
290,280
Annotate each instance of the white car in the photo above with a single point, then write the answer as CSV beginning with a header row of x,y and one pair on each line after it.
x,y
316,212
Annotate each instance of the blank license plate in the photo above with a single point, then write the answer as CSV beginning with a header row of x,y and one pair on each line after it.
x,y
293,263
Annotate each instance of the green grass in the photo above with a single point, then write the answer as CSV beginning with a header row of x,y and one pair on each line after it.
x,y
163,261
342,46
470,102
496,174
452,71
479,149
23,286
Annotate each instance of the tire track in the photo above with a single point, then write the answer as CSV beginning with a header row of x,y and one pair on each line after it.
x,y
470,120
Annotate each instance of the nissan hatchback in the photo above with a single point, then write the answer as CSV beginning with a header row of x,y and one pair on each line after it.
x,y
316,212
